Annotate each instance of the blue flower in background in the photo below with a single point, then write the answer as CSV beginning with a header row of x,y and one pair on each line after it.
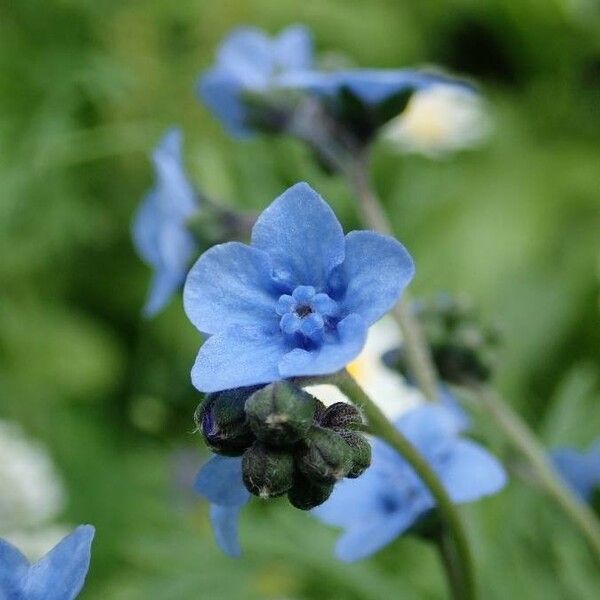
x,y
159,228
384,502
250,60
59,575
297,301
580,470
220,482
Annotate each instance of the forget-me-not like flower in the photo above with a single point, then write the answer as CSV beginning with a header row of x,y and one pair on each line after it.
x,y
580,470
389,498
248,60
59,575
220,482
297,301
159,231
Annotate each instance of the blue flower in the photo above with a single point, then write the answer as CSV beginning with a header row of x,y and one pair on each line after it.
x,y
59,575
220,482
297,301
249,60
159,228
580,470
384,502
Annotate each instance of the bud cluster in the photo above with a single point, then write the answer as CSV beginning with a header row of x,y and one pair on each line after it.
x,y
289,441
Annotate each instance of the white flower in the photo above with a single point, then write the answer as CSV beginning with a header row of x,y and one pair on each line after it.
x,y
439,120
385,387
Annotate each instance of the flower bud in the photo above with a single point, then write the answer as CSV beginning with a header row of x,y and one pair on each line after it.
x,y
306,493
280,413
222,421
324,456
341,415
361,453
267,471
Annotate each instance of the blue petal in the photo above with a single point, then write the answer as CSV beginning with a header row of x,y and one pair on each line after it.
x,y
164,284
377,268
13,572
449,402
230,284
220,481
367,538
238,357
581,471
332,356
60,575
225,523
470,472
145,229
302,236
293,47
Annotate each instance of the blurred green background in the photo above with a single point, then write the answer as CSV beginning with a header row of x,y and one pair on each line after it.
x,y
88,87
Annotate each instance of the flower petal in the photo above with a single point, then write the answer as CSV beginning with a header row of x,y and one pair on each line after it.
x,y
376,269
145,228
471,472
302,236
580,470
237,357
60,575
230,284
332,356
225,523
164,285
220,481
293,48
13,571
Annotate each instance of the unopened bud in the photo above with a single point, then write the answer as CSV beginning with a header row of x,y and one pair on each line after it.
x,y
306,493
266,471
324,456
341,415
361,453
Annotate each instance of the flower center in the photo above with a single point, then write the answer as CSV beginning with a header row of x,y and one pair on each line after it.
x,y
305,314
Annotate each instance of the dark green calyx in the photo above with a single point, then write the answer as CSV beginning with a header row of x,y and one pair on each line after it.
x,y
324,456
221,420
341,415
267,471
281,413
306,493
361,453
320,409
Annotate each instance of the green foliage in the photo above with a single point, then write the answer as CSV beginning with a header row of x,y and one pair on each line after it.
x,y
86,88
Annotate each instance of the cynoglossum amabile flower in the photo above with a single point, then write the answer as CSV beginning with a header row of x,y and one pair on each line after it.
x,y
297,301
159,230
248,60
59,575
580,470
389,498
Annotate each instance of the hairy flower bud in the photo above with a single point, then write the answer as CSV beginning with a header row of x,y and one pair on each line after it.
x,y
267,471
341,415
324,456
280,413
361,453
222,421
306,493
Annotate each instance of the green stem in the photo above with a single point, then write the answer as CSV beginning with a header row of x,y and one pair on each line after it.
x,y
525,442
382,428
448,559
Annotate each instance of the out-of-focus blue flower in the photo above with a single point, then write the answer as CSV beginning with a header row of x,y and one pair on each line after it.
x,y
220,482
298,301
580,470
384,502
249,61
59,575
159,228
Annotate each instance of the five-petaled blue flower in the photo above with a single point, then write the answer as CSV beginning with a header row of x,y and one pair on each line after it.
x,y
220,482
59,575
297,301
249,60
384,502
159,228
580,470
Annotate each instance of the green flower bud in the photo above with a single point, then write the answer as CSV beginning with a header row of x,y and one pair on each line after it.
x,y
306,493
324,456
280,413
222,421
267,472
341,415
361,453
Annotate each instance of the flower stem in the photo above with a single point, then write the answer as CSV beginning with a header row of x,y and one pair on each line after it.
x,y
525,442
382,428
448,559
